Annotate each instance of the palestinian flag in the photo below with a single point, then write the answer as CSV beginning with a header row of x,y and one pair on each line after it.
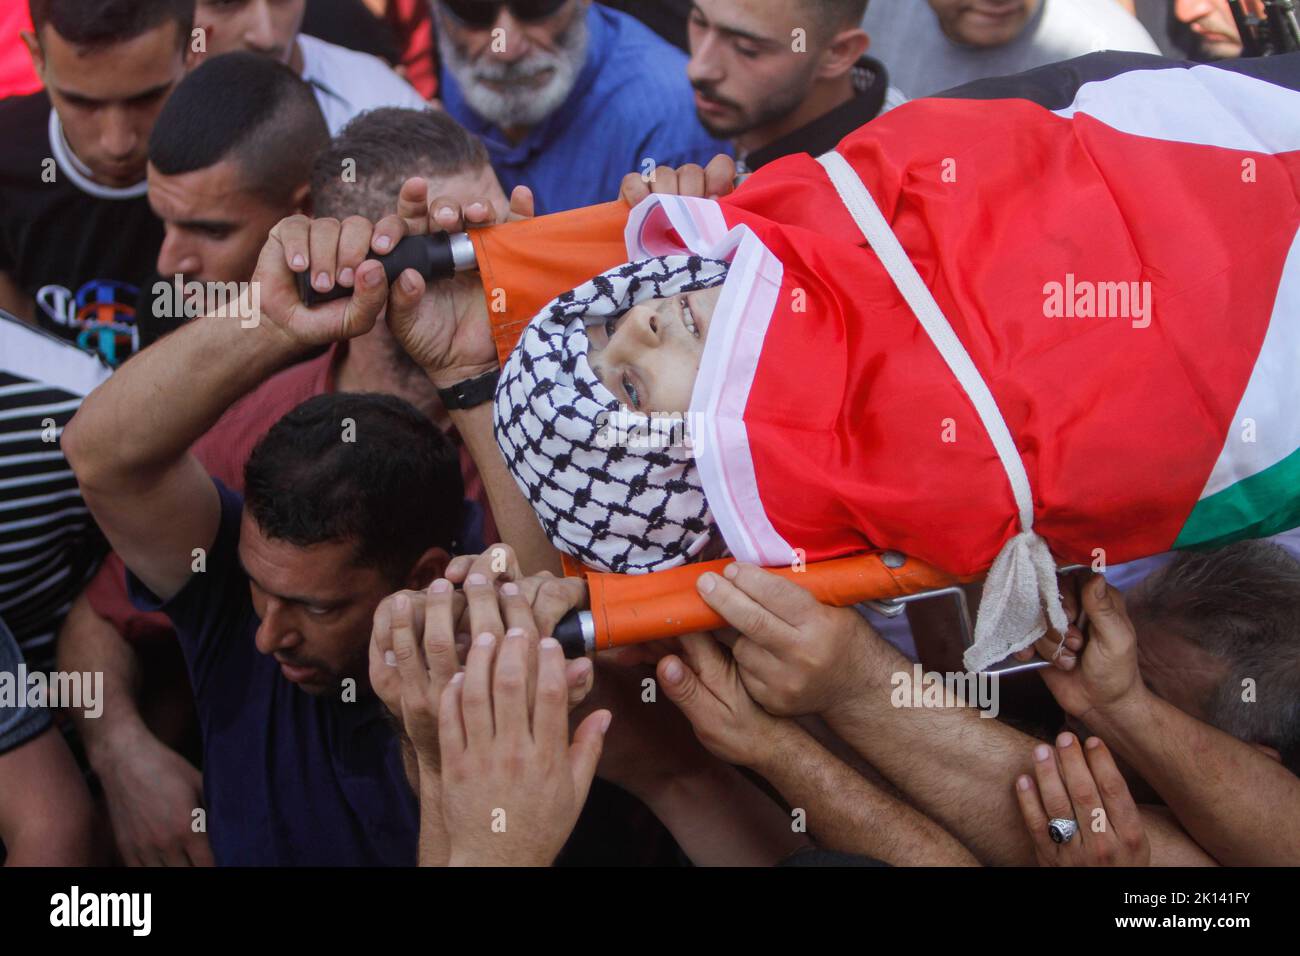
x,y
1074,333
1110,242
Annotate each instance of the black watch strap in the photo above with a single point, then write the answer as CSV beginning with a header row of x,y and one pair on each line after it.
x,y
471,391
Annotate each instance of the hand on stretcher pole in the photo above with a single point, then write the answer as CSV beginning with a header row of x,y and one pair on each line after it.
x,y
632,608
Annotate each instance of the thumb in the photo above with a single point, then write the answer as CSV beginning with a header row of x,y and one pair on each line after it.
x,y
403,302
684,688
1110,625
522,205
584,752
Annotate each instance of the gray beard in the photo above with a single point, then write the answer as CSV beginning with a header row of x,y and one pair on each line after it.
x,y
518,105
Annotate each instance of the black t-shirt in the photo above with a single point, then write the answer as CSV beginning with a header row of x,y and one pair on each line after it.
x,y
81,250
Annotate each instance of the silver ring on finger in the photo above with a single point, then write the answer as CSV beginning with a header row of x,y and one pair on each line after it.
x,y
1061,829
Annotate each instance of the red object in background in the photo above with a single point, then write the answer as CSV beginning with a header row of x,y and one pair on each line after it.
x,y
412,24
17,77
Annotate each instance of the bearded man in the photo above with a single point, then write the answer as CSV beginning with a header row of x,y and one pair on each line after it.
x,y
567,96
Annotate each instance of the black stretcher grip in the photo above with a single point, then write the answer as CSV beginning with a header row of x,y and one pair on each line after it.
x,y
437,256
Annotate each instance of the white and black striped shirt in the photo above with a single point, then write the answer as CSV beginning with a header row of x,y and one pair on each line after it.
x,y
49,545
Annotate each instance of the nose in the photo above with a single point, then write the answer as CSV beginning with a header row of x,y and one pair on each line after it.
x,y
641,328
174,257
704,65
509,43
1189,11
276,632
118,138
259,33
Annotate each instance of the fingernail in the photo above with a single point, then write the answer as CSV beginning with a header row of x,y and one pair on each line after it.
x,y
408,281
1022,783
372,277
476,578
582,667
346,276
321,282
730,571
1042,752
475,207
1064,740
382,243
550,642
457,677
445,212
673,672
402,603
299,262
486,639
515,632
510,589
1092,743
390,658
440,586
605,719
707,582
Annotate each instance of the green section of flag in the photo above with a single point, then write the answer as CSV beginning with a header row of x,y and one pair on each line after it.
x,y
1266,503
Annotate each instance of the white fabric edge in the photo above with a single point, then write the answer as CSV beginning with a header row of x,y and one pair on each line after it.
x,y
1187,106
736,334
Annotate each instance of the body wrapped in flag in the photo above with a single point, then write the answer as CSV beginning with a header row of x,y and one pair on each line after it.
x,y
1113,242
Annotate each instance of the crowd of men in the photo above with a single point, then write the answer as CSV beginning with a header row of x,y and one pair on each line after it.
x,y
312,606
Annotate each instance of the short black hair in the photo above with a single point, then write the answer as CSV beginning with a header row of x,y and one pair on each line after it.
x,y
358,466
99,23
833,16
383,148
247,107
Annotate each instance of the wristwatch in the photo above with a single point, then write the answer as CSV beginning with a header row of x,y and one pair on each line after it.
x,y
470,391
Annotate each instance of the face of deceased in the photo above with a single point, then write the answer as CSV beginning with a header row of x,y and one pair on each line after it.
x,y
649,357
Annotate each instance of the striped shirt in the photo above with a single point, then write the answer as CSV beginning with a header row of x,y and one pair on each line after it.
x,y
49,544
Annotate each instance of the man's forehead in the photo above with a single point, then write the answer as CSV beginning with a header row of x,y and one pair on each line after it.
x,y
117,71
323,572
759,20
211,195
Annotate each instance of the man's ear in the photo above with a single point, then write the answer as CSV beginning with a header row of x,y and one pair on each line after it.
x,y
35,52
1268,751
431,565
844,50
302,199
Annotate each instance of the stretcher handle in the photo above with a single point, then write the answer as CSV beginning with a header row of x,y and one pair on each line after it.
x,y
632,608
435,256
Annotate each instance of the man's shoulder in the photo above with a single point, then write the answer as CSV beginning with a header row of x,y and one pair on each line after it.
x,y
1090,25
642,82
25,122
226,447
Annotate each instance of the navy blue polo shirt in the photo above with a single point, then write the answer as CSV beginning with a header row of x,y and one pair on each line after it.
x,y
631,102
289,779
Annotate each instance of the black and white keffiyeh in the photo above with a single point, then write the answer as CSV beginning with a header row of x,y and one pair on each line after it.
x,y
611,506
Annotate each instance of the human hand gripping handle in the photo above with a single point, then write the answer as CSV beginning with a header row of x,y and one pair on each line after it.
x,y
329,252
